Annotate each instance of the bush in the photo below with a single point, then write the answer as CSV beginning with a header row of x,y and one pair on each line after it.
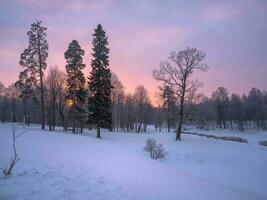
x,y
156,151
263,143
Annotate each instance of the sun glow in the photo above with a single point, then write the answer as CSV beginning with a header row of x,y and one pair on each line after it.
x,y
69,103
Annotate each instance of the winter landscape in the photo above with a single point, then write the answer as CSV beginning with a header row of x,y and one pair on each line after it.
x,y
133,100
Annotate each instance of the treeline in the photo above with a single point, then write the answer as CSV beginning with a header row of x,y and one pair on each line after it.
x,y
134,112
130,112
233,111
68,99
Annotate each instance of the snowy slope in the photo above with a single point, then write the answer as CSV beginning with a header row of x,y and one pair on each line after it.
x,y
66,166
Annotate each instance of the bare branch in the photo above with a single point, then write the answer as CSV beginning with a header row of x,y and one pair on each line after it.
x,y
178,77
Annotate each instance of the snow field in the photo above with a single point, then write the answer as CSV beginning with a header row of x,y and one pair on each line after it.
x,y
56,165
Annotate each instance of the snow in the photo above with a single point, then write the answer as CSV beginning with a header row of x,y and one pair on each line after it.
x,y
253,136
57,165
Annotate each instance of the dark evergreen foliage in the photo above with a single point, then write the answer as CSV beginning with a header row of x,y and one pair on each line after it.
x,y
170,107
33,60
99,80
76,92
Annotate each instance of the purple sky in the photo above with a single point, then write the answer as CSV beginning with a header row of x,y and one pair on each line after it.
x,y
142,33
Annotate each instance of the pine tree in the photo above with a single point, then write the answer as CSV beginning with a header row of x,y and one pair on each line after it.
x,y
99,80
169,105
24,85
33,60
76,92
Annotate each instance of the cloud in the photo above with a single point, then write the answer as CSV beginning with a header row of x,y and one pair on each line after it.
x,y
64,5
220,12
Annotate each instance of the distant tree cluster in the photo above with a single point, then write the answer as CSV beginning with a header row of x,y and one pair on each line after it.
x,y
233,111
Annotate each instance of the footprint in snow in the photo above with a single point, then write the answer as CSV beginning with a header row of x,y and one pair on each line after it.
x,y
101,181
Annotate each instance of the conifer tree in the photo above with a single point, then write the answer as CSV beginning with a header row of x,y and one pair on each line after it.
x,y
33,60
76,92
25,87
169,105
99,80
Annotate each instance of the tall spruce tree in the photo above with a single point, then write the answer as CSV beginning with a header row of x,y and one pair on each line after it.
x,y
33,60
99,80
76,92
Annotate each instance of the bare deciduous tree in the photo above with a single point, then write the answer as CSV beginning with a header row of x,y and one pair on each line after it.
x,y
60,104
7,170
55,84
2,87
177,75
221,101
12,93
142,102
129,113
117,99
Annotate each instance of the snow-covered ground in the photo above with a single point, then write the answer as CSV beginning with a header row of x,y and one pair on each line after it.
x,y
56,165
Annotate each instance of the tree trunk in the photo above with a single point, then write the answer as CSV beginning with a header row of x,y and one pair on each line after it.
x,y
81,128
181,116
14,118
117,120
169,128
53,115
178,132
25,108
168,114
139,127
62,119
41,84
98,131
49,117
74,125
145,127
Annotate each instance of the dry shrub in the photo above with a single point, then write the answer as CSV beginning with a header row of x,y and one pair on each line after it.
x,y
263,143
156,151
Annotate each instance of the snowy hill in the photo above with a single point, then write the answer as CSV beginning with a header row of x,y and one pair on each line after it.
x,y
56,165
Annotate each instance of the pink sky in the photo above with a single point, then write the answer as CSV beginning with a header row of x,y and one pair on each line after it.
x,y
142,34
